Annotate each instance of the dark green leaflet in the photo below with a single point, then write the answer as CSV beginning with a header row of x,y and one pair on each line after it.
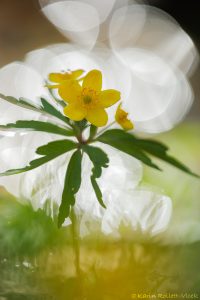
x,y
124,142
45,108
71,186
129,144
51,110
49,152
100,160
38,126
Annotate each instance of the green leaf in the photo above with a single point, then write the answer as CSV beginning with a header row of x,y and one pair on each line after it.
x,y
100,160
21,102
32,165
46,108
149,146
125,142
49,152
71,186
163,155
159,150
27,102
57,147
39,126
50,109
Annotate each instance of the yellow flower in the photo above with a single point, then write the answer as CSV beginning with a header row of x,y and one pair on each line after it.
x,y
62,77
121,118
88,101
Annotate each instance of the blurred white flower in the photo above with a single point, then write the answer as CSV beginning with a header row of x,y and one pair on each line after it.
x,y
147,42
156,95
140,210
83,22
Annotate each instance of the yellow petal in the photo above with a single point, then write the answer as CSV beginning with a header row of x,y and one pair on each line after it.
x,y
74,112
121,118
127,125
93,80
97,117
120,114
50,86
69,91
77,73
109,97
58,77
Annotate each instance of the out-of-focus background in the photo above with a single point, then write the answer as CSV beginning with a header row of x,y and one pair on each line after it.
x,y
23,28
36,258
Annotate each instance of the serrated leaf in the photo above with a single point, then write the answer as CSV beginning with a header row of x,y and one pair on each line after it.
x,y
71,186
100,160
159,150
56,147
46,108
20,102
27,102
125,142
171,160
50,109
49,152
97,191
38,126
32,165
149,146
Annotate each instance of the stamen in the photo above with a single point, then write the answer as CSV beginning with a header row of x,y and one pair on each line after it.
x,y
87,99
123,116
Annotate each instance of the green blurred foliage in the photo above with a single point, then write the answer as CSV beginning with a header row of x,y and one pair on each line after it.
x,y
184,190
24,231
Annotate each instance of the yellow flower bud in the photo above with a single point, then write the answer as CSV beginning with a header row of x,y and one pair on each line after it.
x,y
122,120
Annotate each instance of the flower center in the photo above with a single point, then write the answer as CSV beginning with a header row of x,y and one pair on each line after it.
x,y
123,116
87,99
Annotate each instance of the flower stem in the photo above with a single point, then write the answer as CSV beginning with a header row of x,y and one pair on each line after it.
x,y
76,245
105,128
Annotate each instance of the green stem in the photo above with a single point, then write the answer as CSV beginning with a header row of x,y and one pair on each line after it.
x,y
76,245
105,128
93,131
